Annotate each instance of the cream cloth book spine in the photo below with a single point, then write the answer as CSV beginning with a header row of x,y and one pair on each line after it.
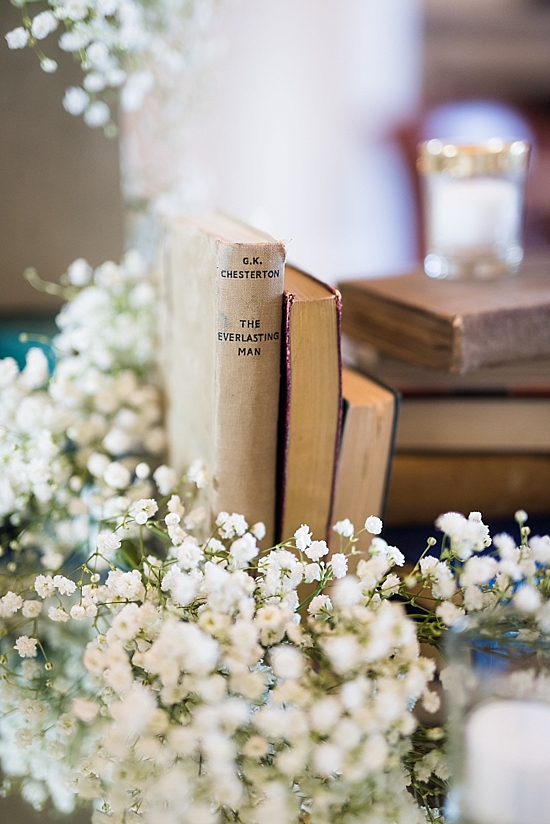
x,y
220,330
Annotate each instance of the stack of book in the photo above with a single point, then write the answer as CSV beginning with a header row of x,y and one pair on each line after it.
x,y
255,389
471,360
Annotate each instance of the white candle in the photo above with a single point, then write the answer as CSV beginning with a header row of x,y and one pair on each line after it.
x,y
507,776
473,213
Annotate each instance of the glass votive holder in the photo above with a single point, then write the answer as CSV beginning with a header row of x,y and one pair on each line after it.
x,y
499,720
473,207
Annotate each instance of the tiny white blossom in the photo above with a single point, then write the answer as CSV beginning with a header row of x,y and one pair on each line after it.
x,y
17,38
430,700
85,710
72,10
373,525
142,470
43,24
339,564
287,662
10,604
44,585
231,526
31,609
97,114
76,100
303,537
527,598
175,505
26,647
391,585
379,547
521,516
117,476
316,550
94,82
449,613
107,542
321,603
312,572
58,614
64,585
166,479
48,65
344,528
143,509
258,530
80,272
197,474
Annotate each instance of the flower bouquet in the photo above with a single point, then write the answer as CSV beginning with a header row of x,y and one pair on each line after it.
x,y
164,674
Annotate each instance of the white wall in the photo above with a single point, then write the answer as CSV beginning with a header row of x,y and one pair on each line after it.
x,y
296,133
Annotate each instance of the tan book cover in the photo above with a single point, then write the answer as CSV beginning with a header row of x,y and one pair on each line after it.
x,y
457,325
220,329
474,423
310,404
362,475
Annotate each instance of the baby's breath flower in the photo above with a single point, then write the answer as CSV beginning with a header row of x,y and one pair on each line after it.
x,y
17,38
44,585
373,525
10,603
48,65
315,550
344,528
58,614
166,479
97,114
76,100
339,565
258,530
117,475
302,537
143,509
26,647
43,24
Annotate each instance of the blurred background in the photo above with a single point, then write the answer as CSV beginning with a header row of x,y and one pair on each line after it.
x,y
307,128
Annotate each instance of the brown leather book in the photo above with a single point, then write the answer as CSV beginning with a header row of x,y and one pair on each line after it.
x,y
457,325
220,330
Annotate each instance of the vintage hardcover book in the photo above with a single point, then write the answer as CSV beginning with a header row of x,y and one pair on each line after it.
x,y
425,485
310,403
362,475
529,378
221,350
457,325
474,423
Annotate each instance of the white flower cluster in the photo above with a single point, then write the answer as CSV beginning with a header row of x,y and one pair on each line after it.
x,y
117,43
208,688
468,579
73,443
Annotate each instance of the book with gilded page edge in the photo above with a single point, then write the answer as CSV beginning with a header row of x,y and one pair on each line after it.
x,y
222,286
457,325
310,404
363,471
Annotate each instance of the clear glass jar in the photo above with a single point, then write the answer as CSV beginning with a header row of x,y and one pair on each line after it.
x,y
473,207
499,717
